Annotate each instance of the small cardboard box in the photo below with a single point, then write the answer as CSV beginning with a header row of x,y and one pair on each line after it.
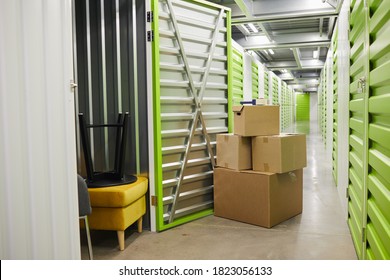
x,y
263,199
279,153
256,120
234,151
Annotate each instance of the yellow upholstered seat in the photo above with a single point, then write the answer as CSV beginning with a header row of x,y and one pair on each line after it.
x,y
118,207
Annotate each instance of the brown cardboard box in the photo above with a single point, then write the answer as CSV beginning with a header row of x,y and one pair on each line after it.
x,y
234,151
279,153
263,199
256,120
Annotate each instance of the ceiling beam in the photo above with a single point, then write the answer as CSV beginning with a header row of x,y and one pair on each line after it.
x,y
324,43
300,40
265,31
304,87
332,3
292,65
245,7
284,17
299,81
332,22
297,57
321,26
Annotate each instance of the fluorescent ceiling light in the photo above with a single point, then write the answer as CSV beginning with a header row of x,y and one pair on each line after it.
x,y
316,54
271,51
252,27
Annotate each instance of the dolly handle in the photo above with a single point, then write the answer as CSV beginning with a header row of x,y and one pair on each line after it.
x,y
253,102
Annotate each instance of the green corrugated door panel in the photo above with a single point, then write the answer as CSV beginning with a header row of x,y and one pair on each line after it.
x,y
266,85
191,104
378,210
335,104
238,77
255,80
357,139
303,107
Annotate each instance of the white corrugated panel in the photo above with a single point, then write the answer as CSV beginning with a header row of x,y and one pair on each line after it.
x,y
343,102
38,194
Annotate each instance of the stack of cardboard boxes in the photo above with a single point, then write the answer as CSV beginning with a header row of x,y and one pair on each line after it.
x,y
258,178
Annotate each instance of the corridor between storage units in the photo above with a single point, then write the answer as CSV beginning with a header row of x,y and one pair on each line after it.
x,y
320,232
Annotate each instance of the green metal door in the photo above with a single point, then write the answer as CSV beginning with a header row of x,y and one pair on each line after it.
x,y
358,125
335,104
378,185
190,56
302,107
255,80
238,77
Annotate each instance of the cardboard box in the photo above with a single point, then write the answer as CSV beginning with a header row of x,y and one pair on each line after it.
x,y
279,153
234,151
256,120
263,199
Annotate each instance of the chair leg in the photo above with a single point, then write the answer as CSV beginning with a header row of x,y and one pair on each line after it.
x,y
121,239
139,224
88,238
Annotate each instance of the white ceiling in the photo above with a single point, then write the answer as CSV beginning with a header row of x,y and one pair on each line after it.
x,y
294,30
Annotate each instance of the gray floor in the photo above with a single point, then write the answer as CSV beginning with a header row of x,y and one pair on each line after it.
x,y
319,233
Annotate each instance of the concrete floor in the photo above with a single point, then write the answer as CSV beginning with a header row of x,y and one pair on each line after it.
x,y
319,233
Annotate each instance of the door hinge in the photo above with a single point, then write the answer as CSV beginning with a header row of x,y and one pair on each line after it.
x,y
150,36
149,16
153,200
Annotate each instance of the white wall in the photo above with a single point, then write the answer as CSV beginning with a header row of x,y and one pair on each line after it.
x,y
261,80
38,194
247,76
343,105
314,107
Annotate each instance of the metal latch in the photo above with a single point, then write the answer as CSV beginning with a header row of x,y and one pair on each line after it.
x,y
150,36
73,85
149,16
361,85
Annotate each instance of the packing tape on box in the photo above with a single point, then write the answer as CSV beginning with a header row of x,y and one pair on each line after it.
x,y
265,140
293,177
266,167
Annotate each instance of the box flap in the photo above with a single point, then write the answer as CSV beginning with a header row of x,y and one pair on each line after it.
x,y
257,172
238,108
